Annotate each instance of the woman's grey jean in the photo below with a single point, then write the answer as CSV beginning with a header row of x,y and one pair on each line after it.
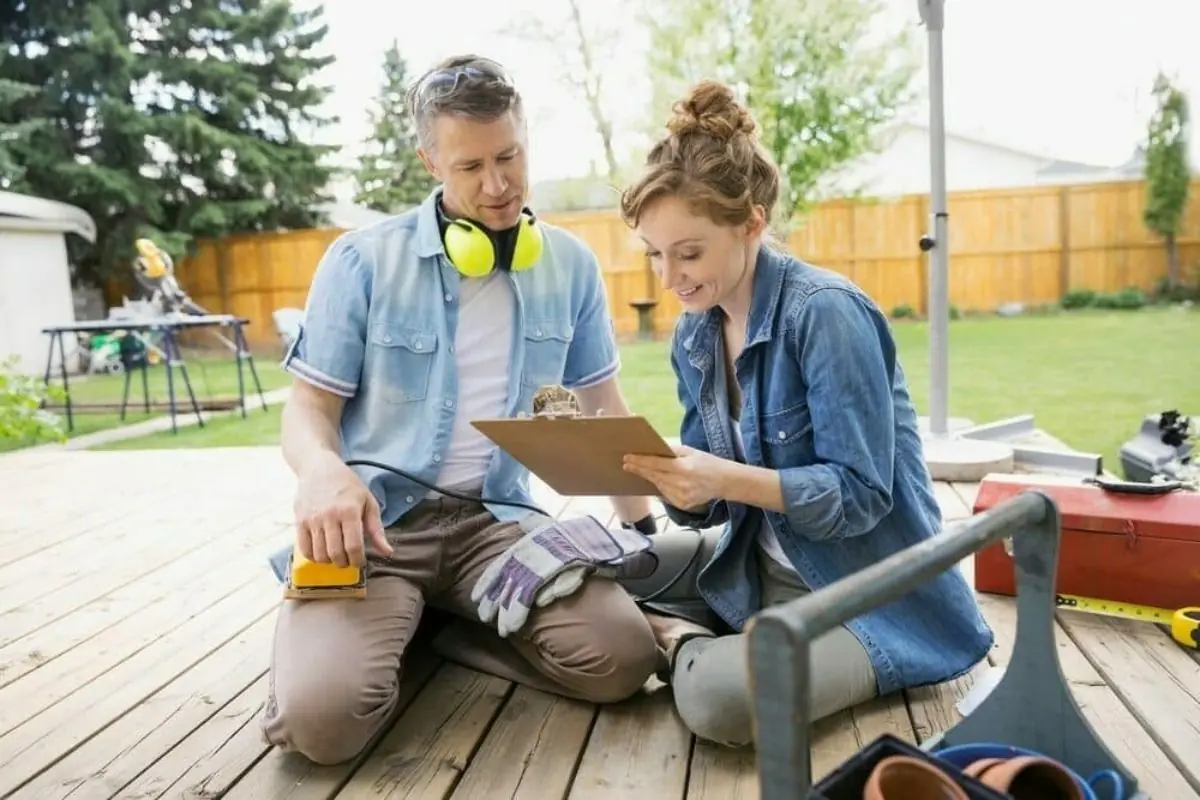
x,y
711,681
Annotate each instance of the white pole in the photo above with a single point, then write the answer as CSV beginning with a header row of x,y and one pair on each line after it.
x,y
932,14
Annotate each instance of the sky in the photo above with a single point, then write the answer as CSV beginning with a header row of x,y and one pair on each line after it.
x,y
1066,78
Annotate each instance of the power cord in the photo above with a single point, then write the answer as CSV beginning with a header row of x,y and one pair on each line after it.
x,y
440,490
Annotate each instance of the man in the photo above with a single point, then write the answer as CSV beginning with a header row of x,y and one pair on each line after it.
x,y
414,327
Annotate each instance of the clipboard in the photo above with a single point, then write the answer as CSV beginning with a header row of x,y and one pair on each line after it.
x,y
579,456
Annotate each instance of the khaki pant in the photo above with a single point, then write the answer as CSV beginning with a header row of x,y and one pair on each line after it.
x,y
711,680
336,664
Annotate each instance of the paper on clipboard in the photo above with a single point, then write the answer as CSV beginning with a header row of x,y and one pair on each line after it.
x,y
579,456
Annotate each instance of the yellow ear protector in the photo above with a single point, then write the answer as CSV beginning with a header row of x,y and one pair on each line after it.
x,y
474,249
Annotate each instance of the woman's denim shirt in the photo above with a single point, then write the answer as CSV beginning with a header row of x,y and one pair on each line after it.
x,y
827,405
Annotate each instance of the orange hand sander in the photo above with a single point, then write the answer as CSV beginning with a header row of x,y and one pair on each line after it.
x,y
312,580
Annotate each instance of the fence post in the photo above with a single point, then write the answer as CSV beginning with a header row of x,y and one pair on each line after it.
x,y
222,273
1064,240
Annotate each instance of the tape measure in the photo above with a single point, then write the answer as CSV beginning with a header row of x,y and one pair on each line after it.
x,y
1184,623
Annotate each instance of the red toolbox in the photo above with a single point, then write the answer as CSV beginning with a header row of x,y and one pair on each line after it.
x,y
1118,546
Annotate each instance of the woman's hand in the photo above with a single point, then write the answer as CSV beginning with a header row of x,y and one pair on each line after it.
x,y
689,481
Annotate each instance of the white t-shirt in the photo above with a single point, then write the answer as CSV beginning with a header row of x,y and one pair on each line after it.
x,y
767,539
481,350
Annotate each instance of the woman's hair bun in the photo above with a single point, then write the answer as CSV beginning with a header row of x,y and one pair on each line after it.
x,y
712,109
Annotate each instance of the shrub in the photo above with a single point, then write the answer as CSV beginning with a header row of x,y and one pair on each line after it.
x,y
1129,298
22,417
1078,298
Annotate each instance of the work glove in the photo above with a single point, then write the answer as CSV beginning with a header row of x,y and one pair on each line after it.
x,y
550,562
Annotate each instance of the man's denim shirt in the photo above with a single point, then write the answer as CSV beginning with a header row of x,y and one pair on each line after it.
x,y
826,404
379,330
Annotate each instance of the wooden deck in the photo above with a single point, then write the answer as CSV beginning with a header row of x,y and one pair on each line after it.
x,y
136,610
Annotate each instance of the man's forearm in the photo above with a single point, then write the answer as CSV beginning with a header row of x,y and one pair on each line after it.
x,y
309,433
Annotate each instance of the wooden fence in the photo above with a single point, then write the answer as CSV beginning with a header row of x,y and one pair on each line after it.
x,y
1029,245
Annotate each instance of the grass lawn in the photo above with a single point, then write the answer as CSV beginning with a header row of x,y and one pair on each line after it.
x,y
213,377
1087,376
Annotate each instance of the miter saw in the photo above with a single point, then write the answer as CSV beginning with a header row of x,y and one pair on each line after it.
x,y
155,271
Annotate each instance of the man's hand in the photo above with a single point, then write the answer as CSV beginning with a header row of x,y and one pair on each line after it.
x,y
336,515
689,481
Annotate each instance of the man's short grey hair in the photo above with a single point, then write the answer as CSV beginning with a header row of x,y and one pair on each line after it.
x,y
467,86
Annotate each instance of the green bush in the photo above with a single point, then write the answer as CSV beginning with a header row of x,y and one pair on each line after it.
x,y
1129,298
904,311
1078,298
1164,292
22,418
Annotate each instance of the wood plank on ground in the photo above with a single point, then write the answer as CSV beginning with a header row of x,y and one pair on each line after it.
x,y
722,773
213,756
41,680
170,543
117,754
134,538
1124,652
39,741
148,607
427,750
44,509
532,750
638,750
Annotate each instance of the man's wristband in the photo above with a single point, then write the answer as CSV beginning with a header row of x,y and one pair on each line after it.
x,y
646,525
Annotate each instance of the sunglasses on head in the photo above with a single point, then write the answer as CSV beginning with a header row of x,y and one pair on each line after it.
x,y
440,82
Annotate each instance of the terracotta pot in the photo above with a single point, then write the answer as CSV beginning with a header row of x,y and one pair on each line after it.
x,y
1026,778
905,777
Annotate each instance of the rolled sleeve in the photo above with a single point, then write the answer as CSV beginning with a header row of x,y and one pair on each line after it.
x,y
848,361
328,349
592,356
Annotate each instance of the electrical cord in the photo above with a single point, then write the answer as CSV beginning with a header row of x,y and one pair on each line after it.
x,y
364,462
440,490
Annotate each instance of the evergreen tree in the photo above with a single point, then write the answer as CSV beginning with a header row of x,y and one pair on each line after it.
x,y
167,120
1168,175
14,127
391,176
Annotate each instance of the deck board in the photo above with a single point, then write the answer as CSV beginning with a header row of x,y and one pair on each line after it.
x,y
135,626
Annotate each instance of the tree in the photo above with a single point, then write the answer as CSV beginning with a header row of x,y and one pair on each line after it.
x,y
13,126
391,176
581,50
818,85
1167,173
169,121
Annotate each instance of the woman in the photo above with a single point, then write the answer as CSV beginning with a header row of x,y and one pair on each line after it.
x,y
798,434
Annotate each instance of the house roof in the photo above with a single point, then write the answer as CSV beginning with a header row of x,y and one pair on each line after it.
x,y
38,213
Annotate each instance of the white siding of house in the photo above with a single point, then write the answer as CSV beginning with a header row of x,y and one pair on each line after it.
x,y
35,292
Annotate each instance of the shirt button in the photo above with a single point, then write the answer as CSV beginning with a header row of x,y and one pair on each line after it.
x,y
408,499
783,434
449,404
449,298
452,349
437,459
537,332
417,345
387,338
